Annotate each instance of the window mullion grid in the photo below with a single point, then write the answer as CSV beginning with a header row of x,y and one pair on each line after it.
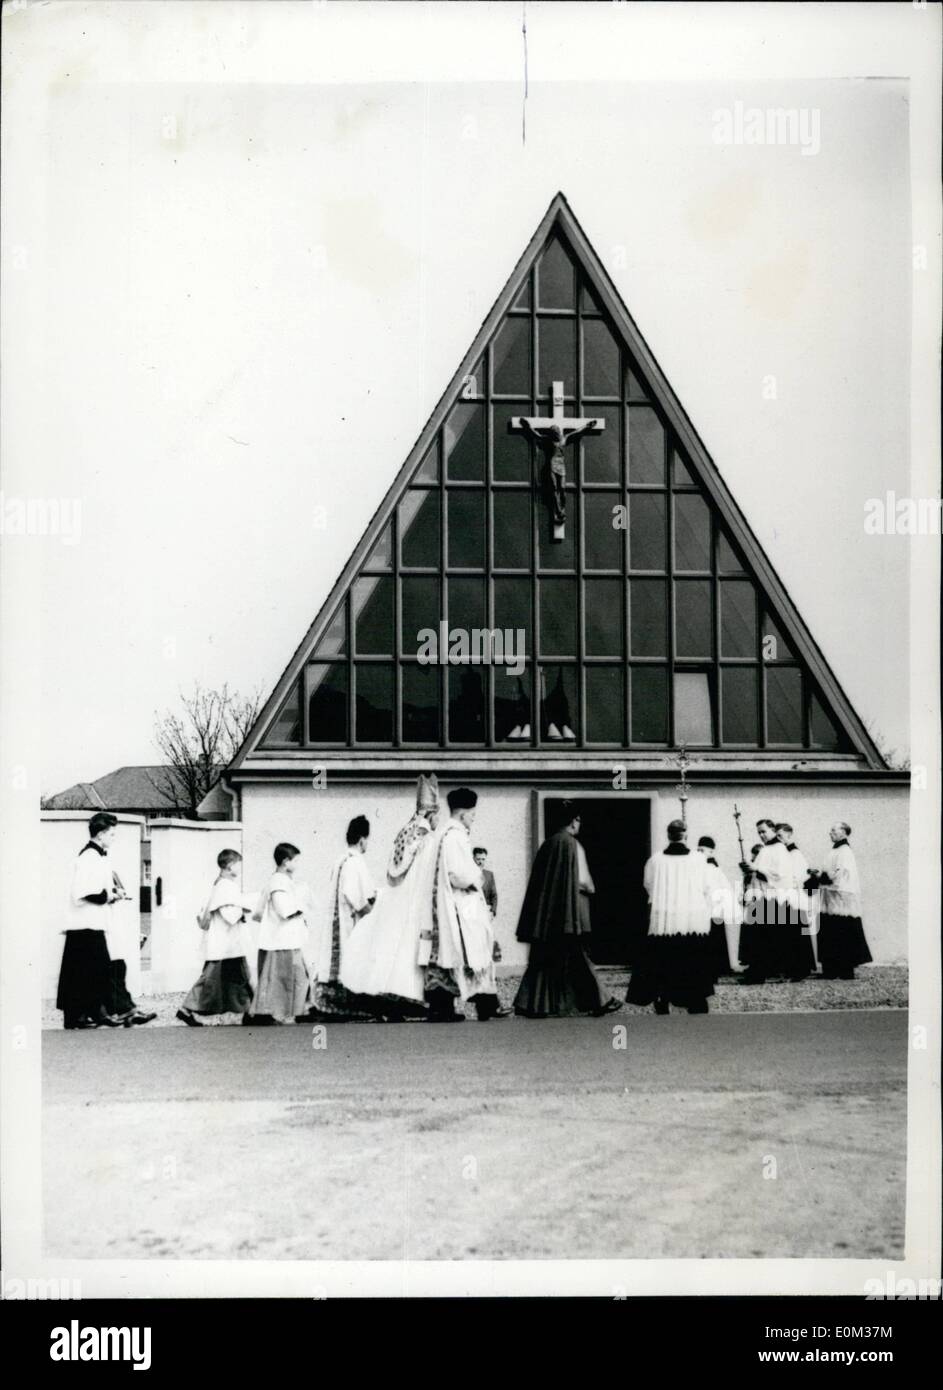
x,y
578,542
670,528
303,727
397,638
627,500
536,713
719,667
713,680
489,676
351,704
443,594
762,721
624,496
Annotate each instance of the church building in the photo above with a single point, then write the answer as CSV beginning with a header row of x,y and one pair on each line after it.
x,y
559,597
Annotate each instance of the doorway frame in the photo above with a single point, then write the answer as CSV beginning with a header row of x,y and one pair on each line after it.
x,y
540,795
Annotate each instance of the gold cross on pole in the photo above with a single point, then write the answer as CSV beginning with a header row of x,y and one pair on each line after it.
x,y
682,762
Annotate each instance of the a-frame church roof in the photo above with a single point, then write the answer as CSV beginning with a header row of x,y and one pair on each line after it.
x,y
724,694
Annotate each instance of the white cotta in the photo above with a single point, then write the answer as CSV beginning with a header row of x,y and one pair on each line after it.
x,y
381,957
799,870
723,900
726,907
679,890
122,931
842,897
351,890
281,929
91,873
225,935
773,862
465,931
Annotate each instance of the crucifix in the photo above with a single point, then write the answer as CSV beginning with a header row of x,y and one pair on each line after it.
x,y
553,433
682,788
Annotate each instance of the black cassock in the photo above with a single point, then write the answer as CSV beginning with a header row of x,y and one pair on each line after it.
x,y
85,984
559,981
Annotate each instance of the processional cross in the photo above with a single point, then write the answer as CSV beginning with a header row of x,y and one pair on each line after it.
x,y
553,433
682,788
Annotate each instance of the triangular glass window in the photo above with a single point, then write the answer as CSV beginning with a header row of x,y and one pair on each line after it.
x,y
513,595
334,641
556,278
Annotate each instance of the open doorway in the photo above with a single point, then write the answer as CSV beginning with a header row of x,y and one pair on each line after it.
x,y
616,835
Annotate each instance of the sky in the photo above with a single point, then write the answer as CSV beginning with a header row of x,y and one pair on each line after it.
x,y
241,299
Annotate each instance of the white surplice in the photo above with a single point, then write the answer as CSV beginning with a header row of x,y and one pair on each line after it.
x,y
773,862
225,934
799,872
91,875
282,928
679,890
841,897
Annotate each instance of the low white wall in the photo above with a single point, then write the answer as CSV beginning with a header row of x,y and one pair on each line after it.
x,y
316,821
62,835
183,868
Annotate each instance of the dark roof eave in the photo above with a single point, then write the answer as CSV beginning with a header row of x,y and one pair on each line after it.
x,y
403,772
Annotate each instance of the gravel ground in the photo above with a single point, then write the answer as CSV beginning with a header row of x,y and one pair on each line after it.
x,y
877,987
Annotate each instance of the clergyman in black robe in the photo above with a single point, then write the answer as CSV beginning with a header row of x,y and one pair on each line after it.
x,y
559,981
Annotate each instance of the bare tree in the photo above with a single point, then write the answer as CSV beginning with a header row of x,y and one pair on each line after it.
x,y
198,742
896,758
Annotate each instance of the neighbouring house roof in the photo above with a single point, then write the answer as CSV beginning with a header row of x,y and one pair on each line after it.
x,y
142,789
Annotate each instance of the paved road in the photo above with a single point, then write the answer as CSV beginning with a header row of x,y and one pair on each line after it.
x,y
746,1136
832,1051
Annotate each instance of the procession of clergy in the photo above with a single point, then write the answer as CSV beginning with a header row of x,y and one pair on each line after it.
x,y
427,940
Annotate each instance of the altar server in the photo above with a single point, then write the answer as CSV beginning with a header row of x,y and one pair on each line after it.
x,y
765,938
675,966
722,910
85,974
841,938
224,985
801,962
282,993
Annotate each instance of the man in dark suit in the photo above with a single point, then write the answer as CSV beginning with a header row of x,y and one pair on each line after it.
x,y
488,885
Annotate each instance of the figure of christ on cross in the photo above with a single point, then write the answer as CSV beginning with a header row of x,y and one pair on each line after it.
x,y
553,433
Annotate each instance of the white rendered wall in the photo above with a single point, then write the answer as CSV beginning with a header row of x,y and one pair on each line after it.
x,y
63,833
183,859
316,821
